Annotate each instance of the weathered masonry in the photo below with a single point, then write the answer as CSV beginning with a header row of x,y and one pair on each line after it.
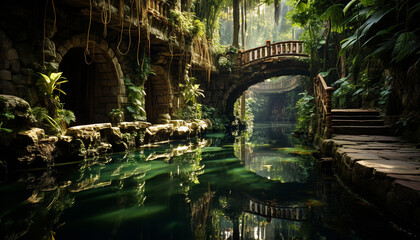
x,y
254,66
95,55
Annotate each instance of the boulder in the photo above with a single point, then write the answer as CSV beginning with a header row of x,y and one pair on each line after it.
x,y
20,110
181,132
133,126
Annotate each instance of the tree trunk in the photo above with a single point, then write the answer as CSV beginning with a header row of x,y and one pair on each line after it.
x,y
276,11
326,44
235,41
243,24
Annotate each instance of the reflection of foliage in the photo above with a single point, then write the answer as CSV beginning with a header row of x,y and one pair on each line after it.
x,y
199,215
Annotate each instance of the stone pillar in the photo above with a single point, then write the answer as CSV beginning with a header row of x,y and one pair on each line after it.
x,y
243,104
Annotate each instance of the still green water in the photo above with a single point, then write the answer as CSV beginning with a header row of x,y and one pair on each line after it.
x,y
263,185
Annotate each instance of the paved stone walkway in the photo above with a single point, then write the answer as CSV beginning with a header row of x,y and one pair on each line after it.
x,y
382,169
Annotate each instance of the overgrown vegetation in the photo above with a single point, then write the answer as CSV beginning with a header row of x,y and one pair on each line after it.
x,y
305,111
51,114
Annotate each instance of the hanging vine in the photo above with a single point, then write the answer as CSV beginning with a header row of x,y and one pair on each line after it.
x,y
106,15
87,52
122,27
54,26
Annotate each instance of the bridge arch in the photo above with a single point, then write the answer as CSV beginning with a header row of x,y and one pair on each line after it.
x,y
259,71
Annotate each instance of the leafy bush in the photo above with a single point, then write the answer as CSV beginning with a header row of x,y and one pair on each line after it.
x,y
305,111
117,115
52,116
136,97
218,120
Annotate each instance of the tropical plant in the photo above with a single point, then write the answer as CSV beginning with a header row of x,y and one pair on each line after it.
x,y
6,115
52,115
45,120
142,71
49,87
117,115
305,111
218,120
190,91
136,97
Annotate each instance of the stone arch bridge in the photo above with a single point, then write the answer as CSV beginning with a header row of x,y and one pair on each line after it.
x,y
254,66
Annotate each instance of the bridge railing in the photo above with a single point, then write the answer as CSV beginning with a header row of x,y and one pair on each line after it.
x,y
283,48
323,103
298,213
159,6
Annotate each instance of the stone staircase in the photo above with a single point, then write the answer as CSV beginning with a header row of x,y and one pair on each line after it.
x,y
358,122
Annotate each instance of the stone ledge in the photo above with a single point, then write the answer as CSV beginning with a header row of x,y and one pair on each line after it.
x,y
385,170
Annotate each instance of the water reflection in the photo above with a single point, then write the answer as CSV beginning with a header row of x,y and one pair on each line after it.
x,y
270,154
260,186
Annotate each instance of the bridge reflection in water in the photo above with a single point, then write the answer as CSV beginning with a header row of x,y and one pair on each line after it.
x,y
298,213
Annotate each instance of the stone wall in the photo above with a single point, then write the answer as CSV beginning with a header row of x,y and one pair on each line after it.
x,y
13,78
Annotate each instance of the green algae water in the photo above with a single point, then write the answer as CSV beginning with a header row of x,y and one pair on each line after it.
x,y
263,185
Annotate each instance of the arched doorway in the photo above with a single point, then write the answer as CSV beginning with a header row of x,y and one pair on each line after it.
x,y
92,89
159,94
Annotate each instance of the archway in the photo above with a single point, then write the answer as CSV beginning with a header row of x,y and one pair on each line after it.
x,y
270,98
159,95
92,90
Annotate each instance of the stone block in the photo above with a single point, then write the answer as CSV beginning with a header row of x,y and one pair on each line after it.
x,y
19,79
103,44
6,43
5,64
68,45
15,66
58,57
62,50
7,87
11,54
109,83
110,53
5,75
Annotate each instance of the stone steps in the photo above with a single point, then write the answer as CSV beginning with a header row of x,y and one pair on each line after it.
x,y
358,122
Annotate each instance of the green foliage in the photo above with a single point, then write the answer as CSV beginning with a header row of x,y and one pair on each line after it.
x,y
46,121
6,115
218,120
66,115
226,56
344,89
190,90
49,89
117,115
142,71
187,23
190,112
49,84
52,115
305,111
246,120
136,97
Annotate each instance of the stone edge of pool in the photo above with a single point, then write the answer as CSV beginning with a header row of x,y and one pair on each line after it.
x,y
383,170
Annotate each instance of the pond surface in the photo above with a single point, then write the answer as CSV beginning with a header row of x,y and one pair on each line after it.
x,y
259,186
